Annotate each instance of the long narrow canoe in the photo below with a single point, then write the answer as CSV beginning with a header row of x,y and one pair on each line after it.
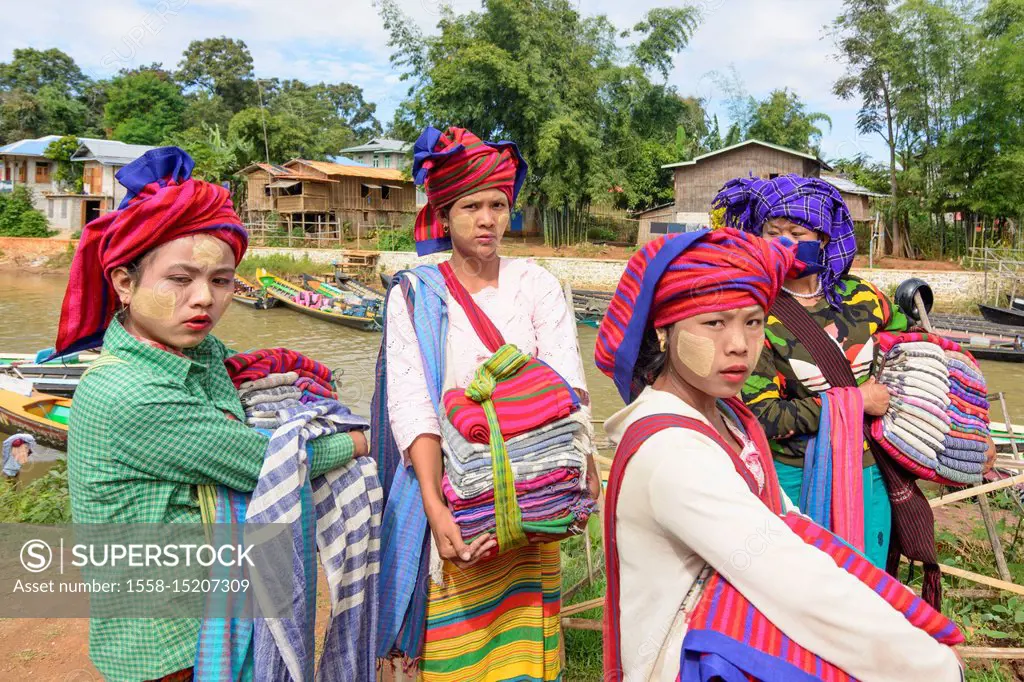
x,y
342,289
251,295
286,292
42,415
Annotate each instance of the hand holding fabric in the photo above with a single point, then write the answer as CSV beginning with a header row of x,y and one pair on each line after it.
x,y
876,397
448,539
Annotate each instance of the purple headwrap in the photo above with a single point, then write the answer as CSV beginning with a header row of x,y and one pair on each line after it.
x,y
751,202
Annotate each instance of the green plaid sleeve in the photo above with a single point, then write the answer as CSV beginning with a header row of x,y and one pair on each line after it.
x,y
330,452
764,393
173,435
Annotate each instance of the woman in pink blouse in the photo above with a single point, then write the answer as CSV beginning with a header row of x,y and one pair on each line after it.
x,y
496,619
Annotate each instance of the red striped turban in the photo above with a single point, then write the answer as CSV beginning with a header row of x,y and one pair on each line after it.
x,y
163,203
454,164
678,276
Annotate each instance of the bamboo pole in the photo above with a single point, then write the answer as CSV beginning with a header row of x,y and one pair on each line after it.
x,y
584,606
994,539
977,490
992,652
982,579
582,624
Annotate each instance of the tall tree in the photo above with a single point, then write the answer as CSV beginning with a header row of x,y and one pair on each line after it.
x,y
220,66
32,70
781,119
872,50
41,92
143,108
582,107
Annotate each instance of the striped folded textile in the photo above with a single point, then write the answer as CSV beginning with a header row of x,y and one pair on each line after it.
x,y
556,498
244,367
937,434
524,399
559,432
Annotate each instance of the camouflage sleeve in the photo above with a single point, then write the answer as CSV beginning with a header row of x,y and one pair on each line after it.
x,y
893,319
765,393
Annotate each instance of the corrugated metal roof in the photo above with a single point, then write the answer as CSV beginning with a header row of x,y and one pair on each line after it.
x,y
30,147
345,161
381,144
353,171
109,152
849,186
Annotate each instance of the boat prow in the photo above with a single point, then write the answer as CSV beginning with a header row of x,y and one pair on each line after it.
x,y
42,415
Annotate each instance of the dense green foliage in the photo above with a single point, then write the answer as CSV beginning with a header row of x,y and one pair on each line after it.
x,y
589,113
211,106
68,173
18,218
942,82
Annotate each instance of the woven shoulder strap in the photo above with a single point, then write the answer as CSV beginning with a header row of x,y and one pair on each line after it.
x,y
913,523
482,324
635,436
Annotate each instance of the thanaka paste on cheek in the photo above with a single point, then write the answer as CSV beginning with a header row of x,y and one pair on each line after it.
x,y
463,224
696,352
206,252
157,305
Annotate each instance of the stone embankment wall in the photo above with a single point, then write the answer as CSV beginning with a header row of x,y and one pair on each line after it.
x,y
950,288
590,273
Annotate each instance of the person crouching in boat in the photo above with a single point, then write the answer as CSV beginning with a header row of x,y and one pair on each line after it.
x,y
705,576
157,415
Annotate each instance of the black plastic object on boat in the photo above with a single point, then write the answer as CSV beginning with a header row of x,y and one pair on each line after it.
x,y
904,297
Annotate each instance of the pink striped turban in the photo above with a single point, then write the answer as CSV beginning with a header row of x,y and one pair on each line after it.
x,y
454,164
681,275
163,203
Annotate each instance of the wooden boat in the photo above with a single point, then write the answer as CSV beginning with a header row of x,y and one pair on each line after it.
x,y
1007,316
61,380
251,295
1001,436
83,358
286,292
346,286
42,415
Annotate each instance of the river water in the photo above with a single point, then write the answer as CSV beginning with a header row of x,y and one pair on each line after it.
x,y
30,308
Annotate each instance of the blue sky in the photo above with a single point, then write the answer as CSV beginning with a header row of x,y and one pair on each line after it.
x,y
770,44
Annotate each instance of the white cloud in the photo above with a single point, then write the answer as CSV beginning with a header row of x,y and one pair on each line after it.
x,y
771,43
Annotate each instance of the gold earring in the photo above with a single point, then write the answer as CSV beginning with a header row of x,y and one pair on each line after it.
x,y
662,339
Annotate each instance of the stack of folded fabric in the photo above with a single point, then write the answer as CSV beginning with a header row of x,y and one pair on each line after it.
x,y
276,379
549,469
937,423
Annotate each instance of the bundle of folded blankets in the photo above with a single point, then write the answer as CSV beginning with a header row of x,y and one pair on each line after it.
x,y
276,379
937,425
547,440
335,516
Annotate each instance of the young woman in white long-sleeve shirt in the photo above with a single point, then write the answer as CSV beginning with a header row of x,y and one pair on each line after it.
x,y
701,498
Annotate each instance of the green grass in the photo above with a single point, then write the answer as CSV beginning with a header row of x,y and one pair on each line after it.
x,y
280,264
583,648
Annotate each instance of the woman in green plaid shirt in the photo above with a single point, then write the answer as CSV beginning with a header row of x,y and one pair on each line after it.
x,y
156,414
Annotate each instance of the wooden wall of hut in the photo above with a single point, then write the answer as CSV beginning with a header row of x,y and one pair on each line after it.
x,y
859,205
359,194
256,198
697,185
